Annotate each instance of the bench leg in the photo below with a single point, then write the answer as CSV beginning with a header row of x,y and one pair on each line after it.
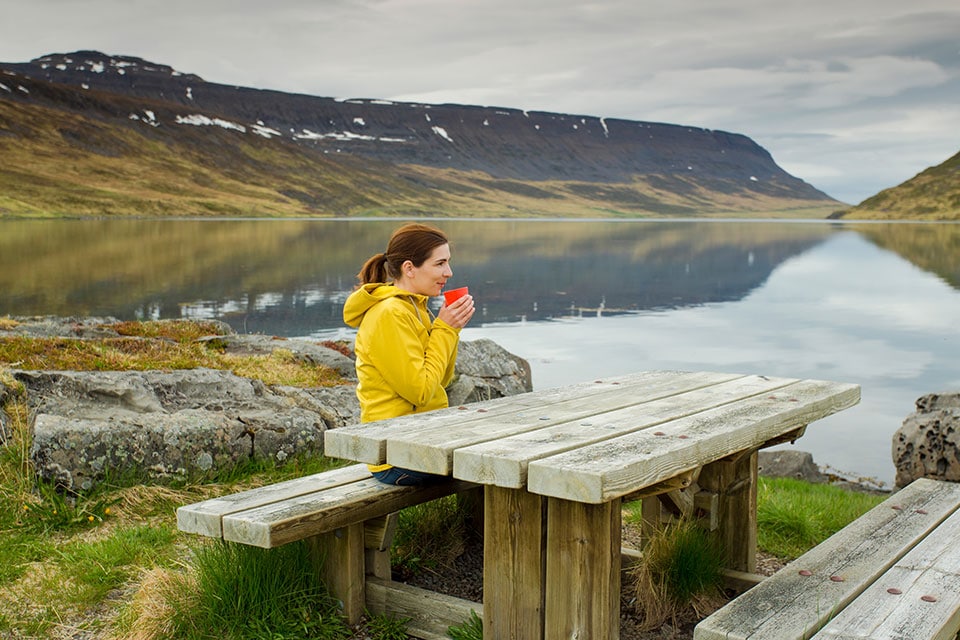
x,y
378,538
340,556
583,570
513,564
734,481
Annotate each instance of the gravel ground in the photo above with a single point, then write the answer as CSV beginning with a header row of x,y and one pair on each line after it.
x,y
465,580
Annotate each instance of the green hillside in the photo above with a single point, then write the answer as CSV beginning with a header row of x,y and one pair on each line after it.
x,y
933,194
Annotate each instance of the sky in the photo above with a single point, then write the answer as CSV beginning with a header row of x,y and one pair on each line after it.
x,y
852,96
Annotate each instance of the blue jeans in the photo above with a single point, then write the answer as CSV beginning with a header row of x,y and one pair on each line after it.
x,y
406,477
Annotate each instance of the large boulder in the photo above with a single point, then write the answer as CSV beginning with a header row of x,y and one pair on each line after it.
x,y
161,425
157,426
927,444
783,463
485,370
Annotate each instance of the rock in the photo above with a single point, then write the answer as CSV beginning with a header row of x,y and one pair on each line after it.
x,y
927,444
4,427
57,327
162,425
789,464
485,370
157,426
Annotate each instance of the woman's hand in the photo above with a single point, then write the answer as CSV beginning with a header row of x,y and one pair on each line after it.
x,y
458,314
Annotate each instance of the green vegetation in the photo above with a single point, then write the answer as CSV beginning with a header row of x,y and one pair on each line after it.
x,y
429,536
471,629
681,570
161,345
933,194
237,591
793,516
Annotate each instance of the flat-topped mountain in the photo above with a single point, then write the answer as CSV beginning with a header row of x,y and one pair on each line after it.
x,y
86,129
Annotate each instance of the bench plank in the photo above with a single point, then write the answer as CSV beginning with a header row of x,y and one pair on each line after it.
x,y
278,523
614,468
205,517
930,570
368,442
504,462
791,606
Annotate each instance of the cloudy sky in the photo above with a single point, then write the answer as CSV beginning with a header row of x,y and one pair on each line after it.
x,y
853,96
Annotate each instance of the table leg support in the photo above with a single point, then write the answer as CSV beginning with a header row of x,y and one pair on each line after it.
x,y
583,570
734,481
513,564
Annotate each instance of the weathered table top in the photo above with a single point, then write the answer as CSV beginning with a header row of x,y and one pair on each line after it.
x,y
597,441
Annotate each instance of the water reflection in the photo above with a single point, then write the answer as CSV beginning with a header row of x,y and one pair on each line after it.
x,y
290,277
875,304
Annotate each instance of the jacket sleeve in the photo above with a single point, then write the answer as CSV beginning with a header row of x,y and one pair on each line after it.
x,y
414,373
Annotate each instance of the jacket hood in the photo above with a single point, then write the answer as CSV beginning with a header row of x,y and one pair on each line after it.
x,y
361,300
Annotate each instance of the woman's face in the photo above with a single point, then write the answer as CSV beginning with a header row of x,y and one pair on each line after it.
x,y
429,278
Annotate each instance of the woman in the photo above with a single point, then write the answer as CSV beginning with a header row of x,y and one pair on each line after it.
x,y
405,356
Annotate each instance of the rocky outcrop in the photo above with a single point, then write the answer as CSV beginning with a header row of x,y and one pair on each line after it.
x,y
156,426
927,445
789,464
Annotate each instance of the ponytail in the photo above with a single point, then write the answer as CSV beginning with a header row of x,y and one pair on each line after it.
x,y
374,269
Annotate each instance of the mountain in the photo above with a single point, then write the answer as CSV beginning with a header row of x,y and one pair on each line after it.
x,y
933,194
87,133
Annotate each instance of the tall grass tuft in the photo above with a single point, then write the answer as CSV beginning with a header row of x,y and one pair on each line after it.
x,y
681,570
245,592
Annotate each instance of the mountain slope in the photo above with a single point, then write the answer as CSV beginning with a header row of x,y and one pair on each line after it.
x,y
933,194
88,133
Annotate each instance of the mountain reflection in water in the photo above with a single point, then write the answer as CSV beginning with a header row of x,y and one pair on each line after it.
x,y
869,303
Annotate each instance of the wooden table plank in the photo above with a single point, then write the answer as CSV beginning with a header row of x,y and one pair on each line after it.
x,y
792,605
367,442
432,449
927,605
503,462
614,468
205,517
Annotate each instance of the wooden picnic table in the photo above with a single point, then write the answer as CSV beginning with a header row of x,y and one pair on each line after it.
x,y
556,465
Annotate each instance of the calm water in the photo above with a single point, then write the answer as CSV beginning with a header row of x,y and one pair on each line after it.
x,y
875,304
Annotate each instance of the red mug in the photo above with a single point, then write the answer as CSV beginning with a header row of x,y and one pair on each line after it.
x,y
454,294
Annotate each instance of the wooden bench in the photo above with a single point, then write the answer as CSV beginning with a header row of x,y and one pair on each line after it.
x,y
345,515
894,573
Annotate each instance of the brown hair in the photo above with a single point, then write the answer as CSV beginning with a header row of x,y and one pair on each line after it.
x,y
414,242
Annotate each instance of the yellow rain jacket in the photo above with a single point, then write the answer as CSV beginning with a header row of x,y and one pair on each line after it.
x,y
405,357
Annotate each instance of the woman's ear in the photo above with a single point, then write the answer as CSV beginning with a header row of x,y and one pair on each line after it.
x,y
406,268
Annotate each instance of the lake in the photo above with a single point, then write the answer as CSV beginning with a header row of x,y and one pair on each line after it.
x,y
871,303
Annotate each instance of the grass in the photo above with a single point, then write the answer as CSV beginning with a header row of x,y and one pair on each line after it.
x,y
429,536
793,516
681,570
120,568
